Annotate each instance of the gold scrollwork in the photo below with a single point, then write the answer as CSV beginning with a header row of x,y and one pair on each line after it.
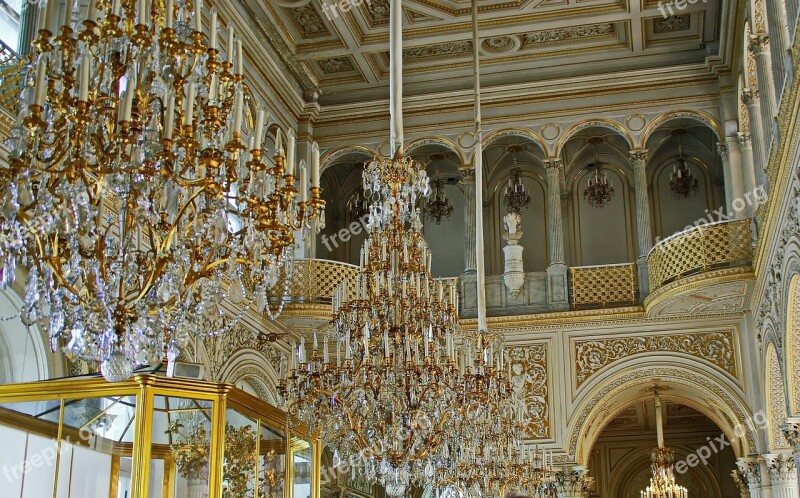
x,y
715,347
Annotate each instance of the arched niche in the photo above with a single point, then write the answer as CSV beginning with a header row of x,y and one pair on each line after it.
x,y
503,153
671,212
620,458
340,181
442,163
598,235
705,390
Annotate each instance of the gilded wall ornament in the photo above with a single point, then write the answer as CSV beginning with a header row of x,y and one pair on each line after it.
x,y
715,347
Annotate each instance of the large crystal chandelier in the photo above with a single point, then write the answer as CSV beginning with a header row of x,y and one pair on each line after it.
x,y
662,483
599,189
516,197
136,195
682,183
392,389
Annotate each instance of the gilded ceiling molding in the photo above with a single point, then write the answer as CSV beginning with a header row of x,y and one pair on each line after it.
x,y
606,123
717,396
594,355
694,115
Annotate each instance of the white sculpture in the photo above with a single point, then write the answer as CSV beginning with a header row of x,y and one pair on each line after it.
x,y
514,275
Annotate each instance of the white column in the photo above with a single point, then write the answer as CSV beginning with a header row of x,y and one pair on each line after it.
x,y
638,160
792,432
759,45
782,474
732,162
748,170
779,38
751,473
555,225
468,179
757,133
571,482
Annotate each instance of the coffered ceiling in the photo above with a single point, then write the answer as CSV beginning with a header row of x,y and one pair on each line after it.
x,y
343,53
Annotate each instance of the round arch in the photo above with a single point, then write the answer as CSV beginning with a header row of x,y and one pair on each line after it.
x,y
409,148
251,366
515,132
665,118
622,388
330,156
593,123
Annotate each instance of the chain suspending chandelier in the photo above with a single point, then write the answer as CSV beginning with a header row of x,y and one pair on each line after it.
x,y
439,207
516,197
134,196
682,182
662,483
599,189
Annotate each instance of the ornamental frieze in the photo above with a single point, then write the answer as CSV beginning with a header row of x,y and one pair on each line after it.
x,y
714,347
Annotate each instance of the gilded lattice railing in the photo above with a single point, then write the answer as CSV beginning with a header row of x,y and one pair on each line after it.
x,y
704,248
314,280
12,71
603,286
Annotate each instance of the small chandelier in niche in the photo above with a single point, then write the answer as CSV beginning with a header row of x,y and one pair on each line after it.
x,y
682,182
439,208
358,205
516,197
599,189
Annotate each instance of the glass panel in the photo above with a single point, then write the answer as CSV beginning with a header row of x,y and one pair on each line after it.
x,y
181,438
301,460
272,462
239,468
30,448
95,432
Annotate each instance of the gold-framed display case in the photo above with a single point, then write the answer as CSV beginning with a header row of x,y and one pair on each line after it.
x,y
150,437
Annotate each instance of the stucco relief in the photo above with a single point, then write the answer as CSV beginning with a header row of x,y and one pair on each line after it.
x,y
530,390
715,347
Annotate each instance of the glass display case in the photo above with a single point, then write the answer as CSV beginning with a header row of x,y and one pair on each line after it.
x,y
150,437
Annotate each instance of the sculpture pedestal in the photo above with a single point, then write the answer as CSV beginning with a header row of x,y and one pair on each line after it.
x,y
513,275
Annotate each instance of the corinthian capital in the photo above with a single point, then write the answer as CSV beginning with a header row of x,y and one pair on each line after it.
x,y
467,174
639,158
722,147
751,471
791,429
553,165
749,96
571,481
781,468
758,44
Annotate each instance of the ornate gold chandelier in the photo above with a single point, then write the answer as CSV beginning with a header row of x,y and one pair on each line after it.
x,y
393,387
662,483
599,189
136,195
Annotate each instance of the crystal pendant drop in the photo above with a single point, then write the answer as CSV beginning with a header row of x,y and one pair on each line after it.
x,y
117,368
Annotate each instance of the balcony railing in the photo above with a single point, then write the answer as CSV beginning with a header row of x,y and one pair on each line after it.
x,y
314,280
12,73
603,286
700,249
